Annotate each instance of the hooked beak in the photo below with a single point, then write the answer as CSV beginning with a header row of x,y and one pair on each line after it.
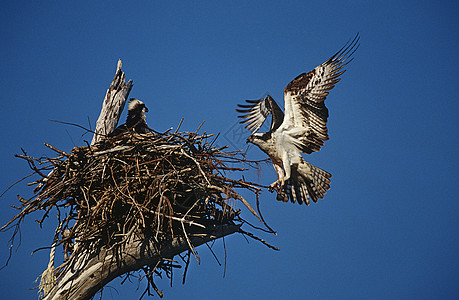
x,y
249,139
146,109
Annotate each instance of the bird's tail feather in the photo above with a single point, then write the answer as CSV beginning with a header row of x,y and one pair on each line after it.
x,y
306,183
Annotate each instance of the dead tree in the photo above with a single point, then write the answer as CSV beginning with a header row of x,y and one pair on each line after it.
x,y
133,202
96,269
113,105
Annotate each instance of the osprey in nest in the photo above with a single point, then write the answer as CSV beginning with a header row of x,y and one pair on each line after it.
x,y
302,129
136,119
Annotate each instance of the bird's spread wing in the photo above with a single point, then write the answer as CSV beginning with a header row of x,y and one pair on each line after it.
x,y
256,112
305,111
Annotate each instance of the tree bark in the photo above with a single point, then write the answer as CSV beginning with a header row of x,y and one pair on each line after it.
x,y
113,105
95,270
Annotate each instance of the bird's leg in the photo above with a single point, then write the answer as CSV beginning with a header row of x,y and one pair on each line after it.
x,y
286,163
280,177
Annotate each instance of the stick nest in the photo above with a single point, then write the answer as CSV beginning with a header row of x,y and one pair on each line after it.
x,y
161,185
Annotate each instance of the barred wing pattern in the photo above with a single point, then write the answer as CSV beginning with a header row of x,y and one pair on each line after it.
x,y
256,112
304,99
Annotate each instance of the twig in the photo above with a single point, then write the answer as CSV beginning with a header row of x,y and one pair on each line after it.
x,y
199,166
258,239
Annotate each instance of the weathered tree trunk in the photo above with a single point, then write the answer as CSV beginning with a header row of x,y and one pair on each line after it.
x,y
93,271
113,105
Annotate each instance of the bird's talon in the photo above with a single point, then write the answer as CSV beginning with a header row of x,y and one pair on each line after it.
x,y
273,186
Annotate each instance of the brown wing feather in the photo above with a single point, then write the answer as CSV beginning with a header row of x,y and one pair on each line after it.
x,y
305,96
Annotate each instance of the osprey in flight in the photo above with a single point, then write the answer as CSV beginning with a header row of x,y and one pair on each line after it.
x,y
303,128
136,118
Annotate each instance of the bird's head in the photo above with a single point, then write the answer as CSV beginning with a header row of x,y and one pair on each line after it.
x,y
259,139
137,108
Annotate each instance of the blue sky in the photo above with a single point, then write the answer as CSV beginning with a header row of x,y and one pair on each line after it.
x,y
388,227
